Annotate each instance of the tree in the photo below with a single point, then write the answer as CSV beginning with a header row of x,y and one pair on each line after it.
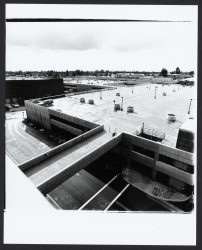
x,y
177,71
78,72
67,73
191,73
50,73
56,74
164,72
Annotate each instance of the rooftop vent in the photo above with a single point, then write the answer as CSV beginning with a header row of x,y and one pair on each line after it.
x,y
130,109
164,94
82,100
91,101
117,106
171,117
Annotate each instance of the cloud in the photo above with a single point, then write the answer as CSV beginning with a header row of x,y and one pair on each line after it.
x,y
54,37
78,42
100,45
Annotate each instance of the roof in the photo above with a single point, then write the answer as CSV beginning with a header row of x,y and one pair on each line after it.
x,y
153,112
188,125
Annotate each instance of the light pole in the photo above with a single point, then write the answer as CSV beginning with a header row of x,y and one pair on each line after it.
x,y
122,104
132,90
155,94
189,106
100,95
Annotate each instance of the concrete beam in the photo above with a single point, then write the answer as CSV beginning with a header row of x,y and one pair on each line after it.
x,y
66,127
147,161
57,179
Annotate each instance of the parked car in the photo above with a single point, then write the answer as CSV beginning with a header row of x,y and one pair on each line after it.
x,y
8,107
15,105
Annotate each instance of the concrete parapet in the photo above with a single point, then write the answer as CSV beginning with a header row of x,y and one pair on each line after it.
x,y
147,161
74,168
52,97
141,142
37,114
176,154
175,172
73,119
173,153
59,148
66,127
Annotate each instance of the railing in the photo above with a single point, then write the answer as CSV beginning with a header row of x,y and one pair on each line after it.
x,y
153,132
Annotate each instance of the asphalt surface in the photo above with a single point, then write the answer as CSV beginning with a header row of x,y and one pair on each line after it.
x,y
24,142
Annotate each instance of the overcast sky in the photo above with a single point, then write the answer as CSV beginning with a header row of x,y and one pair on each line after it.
x,y
90,46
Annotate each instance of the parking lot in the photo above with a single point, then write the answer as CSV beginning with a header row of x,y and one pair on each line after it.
x,y
25,141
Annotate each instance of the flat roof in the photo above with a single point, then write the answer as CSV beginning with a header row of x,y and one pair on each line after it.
x,y
188,125
32,78
153,112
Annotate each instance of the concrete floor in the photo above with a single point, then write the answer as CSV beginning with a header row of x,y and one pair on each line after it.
x,y
148,186
153,112
86,192
73,193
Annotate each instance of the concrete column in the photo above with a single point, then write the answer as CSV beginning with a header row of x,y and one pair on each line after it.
x,y
154,172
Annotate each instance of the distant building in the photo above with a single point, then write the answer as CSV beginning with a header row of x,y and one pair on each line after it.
x,y
16,91
70,73
128,74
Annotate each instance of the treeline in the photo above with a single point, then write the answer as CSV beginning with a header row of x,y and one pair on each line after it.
x,y
53,73
164,72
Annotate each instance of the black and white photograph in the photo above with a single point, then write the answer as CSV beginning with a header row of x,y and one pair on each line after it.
x,y
100,124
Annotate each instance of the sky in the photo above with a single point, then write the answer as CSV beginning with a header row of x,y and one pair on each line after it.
x,y
147,46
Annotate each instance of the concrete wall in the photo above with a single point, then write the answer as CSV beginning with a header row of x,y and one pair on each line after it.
x,y
79,164
147,161
174,172
83,87
73,119
181,157
52,97
38,114
41,116
58,149
126,142
91,91
65,127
